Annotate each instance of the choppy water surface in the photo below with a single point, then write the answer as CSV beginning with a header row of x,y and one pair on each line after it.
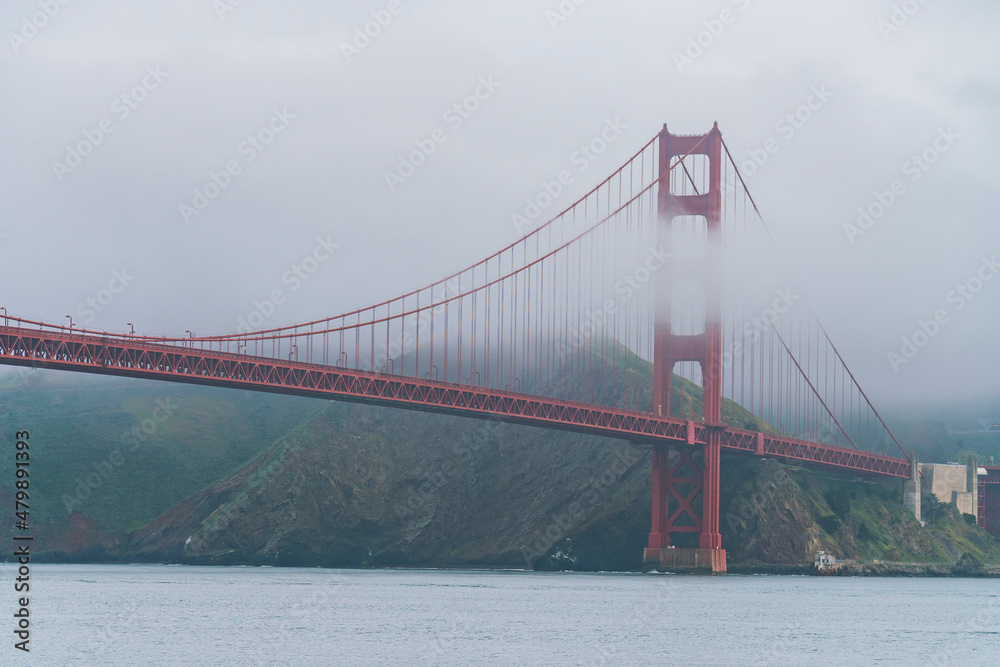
x,y
171,615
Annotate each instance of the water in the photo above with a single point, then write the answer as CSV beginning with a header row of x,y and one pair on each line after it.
x,y
177,615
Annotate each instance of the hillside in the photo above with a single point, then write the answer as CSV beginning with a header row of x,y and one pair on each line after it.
x,y
235,477
115,453
359,486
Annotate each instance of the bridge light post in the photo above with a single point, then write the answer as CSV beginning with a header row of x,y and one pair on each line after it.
x,y
190,336
129,324
70,318
4,315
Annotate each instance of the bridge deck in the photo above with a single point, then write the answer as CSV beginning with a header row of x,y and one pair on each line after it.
x,y
179,363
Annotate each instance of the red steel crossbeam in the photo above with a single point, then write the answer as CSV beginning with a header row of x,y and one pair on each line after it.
x,y
178,363
685,490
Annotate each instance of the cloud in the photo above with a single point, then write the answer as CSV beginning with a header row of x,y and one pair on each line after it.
x,y
354,119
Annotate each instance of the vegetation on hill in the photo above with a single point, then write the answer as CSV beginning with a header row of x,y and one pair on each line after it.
x,y
222,476
120,452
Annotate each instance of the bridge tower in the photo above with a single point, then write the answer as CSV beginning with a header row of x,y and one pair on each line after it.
x,y
682,480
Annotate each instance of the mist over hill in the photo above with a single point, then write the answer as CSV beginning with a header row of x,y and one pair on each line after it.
x,y
136,470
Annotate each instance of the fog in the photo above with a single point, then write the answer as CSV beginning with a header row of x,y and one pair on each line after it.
x,y
120,117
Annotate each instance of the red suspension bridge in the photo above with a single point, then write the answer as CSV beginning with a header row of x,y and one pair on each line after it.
x,y
653,309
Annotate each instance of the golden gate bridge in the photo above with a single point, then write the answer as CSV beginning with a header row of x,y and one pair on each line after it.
x,y
653,309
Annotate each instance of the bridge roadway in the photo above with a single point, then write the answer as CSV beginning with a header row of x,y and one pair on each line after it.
x,y
141,358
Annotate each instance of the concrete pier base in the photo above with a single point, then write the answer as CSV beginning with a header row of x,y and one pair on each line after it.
x,y
698,561
911,487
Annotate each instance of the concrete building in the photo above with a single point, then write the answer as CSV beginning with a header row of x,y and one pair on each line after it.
x,y
955,483
824,560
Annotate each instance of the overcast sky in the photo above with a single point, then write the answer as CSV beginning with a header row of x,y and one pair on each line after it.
x,y
199,77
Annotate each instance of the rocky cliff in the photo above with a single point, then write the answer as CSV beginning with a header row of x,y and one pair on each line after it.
x,y
360,486
230,477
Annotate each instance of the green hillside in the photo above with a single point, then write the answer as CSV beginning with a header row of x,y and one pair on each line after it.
x,y
223,476
125,450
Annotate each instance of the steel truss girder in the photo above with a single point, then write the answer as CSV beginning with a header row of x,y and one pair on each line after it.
x,y
179,363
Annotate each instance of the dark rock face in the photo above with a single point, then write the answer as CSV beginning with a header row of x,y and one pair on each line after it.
x,y
968,565
362,486
765,516
80,539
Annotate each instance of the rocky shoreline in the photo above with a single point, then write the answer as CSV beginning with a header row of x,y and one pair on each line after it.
x,y
959,569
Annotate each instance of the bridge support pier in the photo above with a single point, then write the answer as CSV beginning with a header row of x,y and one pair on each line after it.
x,y
911,487
686,486
685,500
